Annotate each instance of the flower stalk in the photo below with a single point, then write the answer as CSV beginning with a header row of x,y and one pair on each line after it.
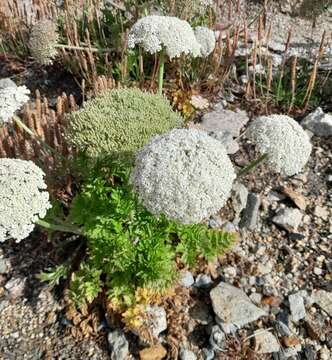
x,y
60,227
251,166
161,71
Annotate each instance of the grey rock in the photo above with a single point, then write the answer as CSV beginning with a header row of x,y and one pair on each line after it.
x,y
288,218
239,197
15,287
7,82
309,352
3,266
229,227
319,123
215,222
250,214
324,300
157,319
282,329
225,121
233,307
256,298
266,342
217,339
187,279
297,308
226,138
208,354
187,355
203,281
118,345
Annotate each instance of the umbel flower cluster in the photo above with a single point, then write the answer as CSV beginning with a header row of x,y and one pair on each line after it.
x,y
284,141
24,198
120,121
184,174
12,98
43,40
206,39
156,32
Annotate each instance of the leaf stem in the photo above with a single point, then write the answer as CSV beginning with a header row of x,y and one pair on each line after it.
x,y
251,166
63,227
161,71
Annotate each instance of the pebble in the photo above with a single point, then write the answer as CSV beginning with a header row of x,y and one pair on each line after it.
x,y
288,218
187,355
265,342
217,339
208,354
15,287
203,281
3,266
239,198
297,308
324,300
250,214
318,122
157,320
118,344
187,279
321,212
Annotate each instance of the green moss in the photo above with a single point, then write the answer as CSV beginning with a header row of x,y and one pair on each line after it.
x,y
120,121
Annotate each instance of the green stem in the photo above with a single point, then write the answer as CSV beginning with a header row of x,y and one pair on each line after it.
x,y
63,227
21,124
161,71
251,166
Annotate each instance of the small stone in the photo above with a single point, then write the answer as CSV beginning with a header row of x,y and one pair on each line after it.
x,y
156,352
7,82
187,355
273,301
324,300
290,341
239,197
230,271
15,287
263,269
233,307
250,215
215,222
318,271
203,281
118,344
319,123
187,279
296,307
324,354
282,329
3,266
157,320
298,199
208,354
275,196
309,352
321,212
265,342
217,339
288,219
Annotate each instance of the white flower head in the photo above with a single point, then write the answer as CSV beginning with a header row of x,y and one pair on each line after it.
x,y
184,174
206,38
43,40
155,32
12,98
24,198
284,141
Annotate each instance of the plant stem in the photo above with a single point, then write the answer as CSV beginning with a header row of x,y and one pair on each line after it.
x,y
73,47
251,166
63,227
21,124
161,71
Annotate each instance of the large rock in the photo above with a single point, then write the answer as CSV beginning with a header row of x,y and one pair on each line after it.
x,y
319,123
233,307
288,218
250,214
225,121
118,344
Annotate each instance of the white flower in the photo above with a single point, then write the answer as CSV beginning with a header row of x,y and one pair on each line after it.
x,y
43,41
284,141
156,32
184,174
12,98
206,38
24,198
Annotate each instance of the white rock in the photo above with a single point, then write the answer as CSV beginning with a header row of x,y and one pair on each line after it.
x,y
233,307
266,343
118,344
157,319
323,299
321,212
239,197
319,123
289,218
187,355
187,279
297,308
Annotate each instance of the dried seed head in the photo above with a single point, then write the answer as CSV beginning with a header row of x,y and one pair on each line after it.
x,y
43,40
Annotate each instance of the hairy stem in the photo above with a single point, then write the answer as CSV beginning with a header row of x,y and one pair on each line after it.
x,y
56,227
161,71
251,166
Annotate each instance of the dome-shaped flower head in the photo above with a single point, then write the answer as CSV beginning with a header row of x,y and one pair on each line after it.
x,y
206,39
24,198
156,32
184,174
12,98
43,40
284,141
